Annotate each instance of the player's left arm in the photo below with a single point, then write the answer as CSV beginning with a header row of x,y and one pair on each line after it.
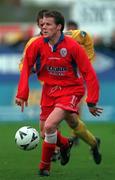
x,y
94,110
90,77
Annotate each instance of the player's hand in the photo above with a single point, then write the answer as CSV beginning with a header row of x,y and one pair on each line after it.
x,y
95,111
21,102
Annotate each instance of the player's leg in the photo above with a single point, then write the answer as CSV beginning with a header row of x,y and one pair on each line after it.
x,y
80,129
46,108
51,138
82,132
74,135
43,116
56,154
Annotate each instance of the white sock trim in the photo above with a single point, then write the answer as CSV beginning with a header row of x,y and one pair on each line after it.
x,y
51,138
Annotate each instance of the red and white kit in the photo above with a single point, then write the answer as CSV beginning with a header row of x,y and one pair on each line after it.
x,y
62,68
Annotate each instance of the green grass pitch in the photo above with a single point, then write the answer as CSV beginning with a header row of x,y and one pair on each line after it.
x,y
16,164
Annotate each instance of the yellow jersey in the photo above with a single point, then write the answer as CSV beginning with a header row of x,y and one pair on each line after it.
x,y
84,39
27,45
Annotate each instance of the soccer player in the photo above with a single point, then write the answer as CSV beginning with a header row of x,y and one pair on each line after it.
x,y
63,67
82,37
85,40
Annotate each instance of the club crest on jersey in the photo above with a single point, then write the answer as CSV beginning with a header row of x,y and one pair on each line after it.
x,y
63,52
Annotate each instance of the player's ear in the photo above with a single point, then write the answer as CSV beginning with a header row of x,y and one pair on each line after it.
x,y
59,26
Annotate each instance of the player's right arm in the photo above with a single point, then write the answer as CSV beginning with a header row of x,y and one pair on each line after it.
x,y
21,102
28,61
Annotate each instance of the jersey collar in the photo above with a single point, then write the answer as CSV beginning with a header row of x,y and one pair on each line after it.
x,y
46,40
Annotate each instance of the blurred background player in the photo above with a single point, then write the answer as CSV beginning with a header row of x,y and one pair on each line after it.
x,y
86,41
39,21
72,25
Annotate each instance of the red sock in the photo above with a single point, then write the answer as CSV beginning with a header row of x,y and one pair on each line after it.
x,y
47,152
61,141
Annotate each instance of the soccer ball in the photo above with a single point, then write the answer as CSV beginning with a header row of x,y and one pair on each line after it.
x,y
27,138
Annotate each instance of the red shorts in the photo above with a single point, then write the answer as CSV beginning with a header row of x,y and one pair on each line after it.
x,y
66,98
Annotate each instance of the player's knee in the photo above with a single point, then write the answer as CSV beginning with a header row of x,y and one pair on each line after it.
x,y
73,124
49,128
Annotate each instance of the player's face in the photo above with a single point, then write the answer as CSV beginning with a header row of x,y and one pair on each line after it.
x,y
50,29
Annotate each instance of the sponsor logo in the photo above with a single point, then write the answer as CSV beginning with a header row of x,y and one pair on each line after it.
x,y
57,71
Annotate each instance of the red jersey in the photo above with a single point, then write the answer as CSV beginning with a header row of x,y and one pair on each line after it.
x,y
64,64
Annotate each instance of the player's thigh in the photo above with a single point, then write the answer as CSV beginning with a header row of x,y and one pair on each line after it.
x,y
53,120
45,112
